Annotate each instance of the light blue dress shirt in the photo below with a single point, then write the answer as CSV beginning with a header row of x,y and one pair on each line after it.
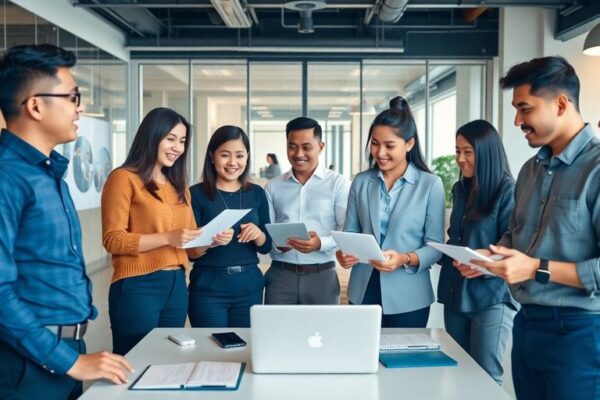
x,y
387,200
320,203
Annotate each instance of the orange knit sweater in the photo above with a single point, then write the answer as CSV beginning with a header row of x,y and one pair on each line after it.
x,y
129,211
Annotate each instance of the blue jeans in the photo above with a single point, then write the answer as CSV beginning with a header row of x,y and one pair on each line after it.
x,y
23,379
221,297
139,304
483,334
412,319
556,354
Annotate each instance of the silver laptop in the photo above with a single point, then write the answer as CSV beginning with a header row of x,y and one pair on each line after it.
x,y
315,339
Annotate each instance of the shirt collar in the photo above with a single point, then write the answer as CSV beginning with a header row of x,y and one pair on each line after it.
x,y
319,173
410,175
32,155
570,153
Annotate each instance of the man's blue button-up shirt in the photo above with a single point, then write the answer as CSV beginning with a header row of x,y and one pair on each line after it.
x,y
42,271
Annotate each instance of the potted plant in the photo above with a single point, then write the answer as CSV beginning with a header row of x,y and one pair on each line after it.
x,y
445,167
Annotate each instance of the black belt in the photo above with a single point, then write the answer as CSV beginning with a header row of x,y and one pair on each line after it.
x,y
74,332
232,269
305,268
534,311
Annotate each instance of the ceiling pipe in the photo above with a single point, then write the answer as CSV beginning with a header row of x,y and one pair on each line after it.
x,y
391,10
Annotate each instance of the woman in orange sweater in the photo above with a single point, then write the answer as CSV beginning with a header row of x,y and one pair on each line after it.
x,y
146,220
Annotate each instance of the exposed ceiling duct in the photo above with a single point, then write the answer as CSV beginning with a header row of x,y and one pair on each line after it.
x,y
305,7
391,10
232,13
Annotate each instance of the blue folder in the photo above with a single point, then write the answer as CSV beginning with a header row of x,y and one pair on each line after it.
x,y
415,359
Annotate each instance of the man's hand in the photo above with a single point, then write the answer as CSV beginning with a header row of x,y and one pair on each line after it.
x,y
306,246
346,260
103,365
515,267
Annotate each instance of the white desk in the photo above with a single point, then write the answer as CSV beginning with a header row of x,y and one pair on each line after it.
x,y
463,382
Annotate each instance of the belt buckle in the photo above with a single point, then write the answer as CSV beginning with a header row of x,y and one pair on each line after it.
x,y
234,269
77,332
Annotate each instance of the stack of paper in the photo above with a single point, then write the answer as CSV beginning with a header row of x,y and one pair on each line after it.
x,y
411,341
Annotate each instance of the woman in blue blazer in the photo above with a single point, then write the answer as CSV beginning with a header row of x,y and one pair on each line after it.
x,y
400,202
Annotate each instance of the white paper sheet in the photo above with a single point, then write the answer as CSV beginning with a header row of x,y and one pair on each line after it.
x,y
464,255
225,220
209,373
282,232
361,245
172,376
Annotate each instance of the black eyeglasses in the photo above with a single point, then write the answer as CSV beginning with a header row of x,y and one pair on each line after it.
x,y
73,97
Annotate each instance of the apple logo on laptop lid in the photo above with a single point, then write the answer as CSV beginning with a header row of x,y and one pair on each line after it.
x,y
315,341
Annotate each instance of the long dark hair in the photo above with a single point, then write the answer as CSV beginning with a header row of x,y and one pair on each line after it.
x,y
209,173
491,167
399,117
143,154
273,157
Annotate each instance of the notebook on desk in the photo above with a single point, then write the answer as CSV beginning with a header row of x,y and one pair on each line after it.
x,y
315,339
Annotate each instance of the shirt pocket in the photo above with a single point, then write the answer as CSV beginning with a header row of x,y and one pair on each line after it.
x,y
564,216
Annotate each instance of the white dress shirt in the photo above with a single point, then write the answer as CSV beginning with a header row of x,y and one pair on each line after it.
x,y
320,203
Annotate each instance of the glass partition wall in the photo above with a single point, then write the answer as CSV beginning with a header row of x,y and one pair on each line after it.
x,y
261,97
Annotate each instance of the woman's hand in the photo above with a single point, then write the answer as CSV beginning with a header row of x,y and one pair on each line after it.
x,y
249,232
223,238
393,261
346,260
179,237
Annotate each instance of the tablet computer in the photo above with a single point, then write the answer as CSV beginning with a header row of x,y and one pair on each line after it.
x,y
361,245
280,233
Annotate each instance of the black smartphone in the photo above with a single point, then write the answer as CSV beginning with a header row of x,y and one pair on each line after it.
x,y
228,340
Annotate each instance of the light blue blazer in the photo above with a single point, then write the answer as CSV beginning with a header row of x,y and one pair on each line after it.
x,y
416,218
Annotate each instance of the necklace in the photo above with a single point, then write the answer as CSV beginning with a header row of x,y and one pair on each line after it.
x,y
223,199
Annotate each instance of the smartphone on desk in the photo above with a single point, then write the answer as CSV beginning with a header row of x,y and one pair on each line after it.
x,y
228,340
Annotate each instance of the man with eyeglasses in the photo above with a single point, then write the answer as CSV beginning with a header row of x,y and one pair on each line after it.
x,y
45,294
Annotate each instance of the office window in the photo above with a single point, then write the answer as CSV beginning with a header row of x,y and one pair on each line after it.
x,y
333,97
275,98
219,98
382,82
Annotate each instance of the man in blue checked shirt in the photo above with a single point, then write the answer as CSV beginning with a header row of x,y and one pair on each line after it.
x,y
45,295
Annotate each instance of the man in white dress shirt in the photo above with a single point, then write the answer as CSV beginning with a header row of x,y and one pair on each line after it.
x,y
304,272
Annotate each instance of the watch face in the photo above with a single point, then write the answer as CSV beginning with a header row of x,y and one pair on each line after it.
x,y
542,276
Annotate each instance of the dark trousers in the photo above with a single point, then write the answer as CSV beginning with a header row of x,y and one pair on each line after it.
x,y
139,304
290,287
411,319
555,355
221,297
23,379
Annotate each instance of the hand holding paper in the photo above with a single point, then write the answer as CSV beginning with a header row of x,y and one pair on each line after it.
x,y
214,231
346,260
362,246
393,260
464,255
